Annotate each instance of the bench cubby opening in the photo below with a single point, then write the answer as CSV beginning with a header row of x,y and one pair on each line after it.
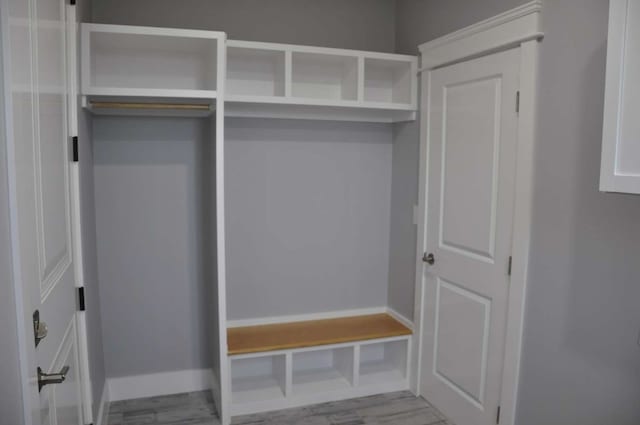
x,y
259,378
383,362
321,371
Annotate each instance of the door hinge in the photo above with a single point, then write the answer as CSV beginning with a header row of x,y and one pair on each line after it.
x,y
74,143
498,416
510,262
518,102
81,303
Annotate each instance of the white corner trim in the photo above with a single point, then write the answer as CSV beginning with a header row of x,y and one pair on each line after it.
x,y
103,410
508,29
400,318
165,383
305,317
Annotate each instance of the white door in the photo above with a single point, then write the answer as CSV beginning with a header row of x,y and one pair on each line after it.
x,y
40,162
472,155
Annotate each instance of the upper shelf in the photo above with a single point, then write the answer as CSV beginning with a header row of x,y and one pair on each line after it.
x,y
289,81
165,66
149,63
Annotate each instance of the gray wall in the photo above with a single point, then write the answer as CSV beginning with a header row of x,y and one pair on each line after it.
x,y
352,24
307,216
11,411
151,249
581,362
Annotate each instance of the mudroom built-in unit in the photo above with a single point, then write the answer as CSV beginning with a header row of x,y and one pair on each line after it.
x,y
243,201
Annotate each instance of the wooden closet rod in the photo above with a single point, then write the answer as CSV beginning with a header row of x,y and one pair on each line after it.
x,y
156,106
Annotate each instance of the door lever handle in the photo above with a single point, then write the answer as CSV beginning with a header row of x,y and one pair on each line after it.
x,y
51,378
429,259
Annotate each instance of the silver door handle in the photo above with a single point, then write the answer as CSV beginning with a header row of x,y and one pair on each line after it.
x,y
51,378
429,259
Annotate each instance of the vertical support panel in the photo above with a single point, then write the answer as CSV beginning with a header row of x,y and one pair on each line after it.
x,y
221,377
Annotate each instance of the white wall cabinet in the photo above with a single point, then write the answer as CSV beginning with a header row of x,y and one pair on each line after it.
x,y
620,170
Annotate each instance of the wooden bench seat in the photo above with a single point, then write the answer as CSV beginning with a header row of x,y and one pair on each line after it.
x,y
256,339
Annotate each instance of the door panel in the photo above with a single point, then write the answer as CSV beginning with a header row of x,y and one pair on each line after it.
x,y
471,112
51,144
472,153
39,137
461,339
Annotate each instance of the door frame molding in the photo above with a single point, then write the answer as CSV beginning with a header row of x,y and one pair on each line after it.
x,y
517,28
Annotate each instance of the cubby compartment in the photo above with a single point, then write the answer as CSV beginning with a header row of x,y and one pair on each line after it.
x,y
388,81
324,76
383,362
149,61
256,379
320,371
255,72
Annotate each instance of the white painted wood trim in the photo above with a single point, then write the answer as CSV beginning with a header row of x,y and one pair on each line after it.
x,y
400,318
305,317
103,410
219,125
305,400
320,50
156,384
508,29
423,172
487,37
521,228
143,30
83,360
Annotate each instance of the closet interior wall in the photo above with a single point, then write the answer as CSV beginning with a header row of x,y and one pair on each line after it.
x,y
154,187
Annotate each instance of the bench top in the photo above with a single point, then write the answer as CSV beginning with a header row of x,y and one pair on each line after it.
x,y
282,336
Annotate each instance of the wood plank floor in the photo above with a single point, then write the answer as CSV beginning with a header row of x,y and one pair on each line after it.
x,y
401,408
255,339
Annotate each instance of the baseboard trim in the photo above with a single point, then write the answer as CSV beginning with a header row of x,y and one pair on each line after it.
x,y
156,384
103,410
305,317
400,318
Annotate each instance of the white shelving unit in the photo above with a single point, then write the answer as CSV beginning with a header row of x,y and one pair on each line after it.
x,y
287,81
290,378
128,64
172,72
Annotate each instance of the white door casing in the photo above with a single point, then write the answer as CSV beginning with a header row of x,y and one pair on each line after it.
x,y
36,46
519,29
473,133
